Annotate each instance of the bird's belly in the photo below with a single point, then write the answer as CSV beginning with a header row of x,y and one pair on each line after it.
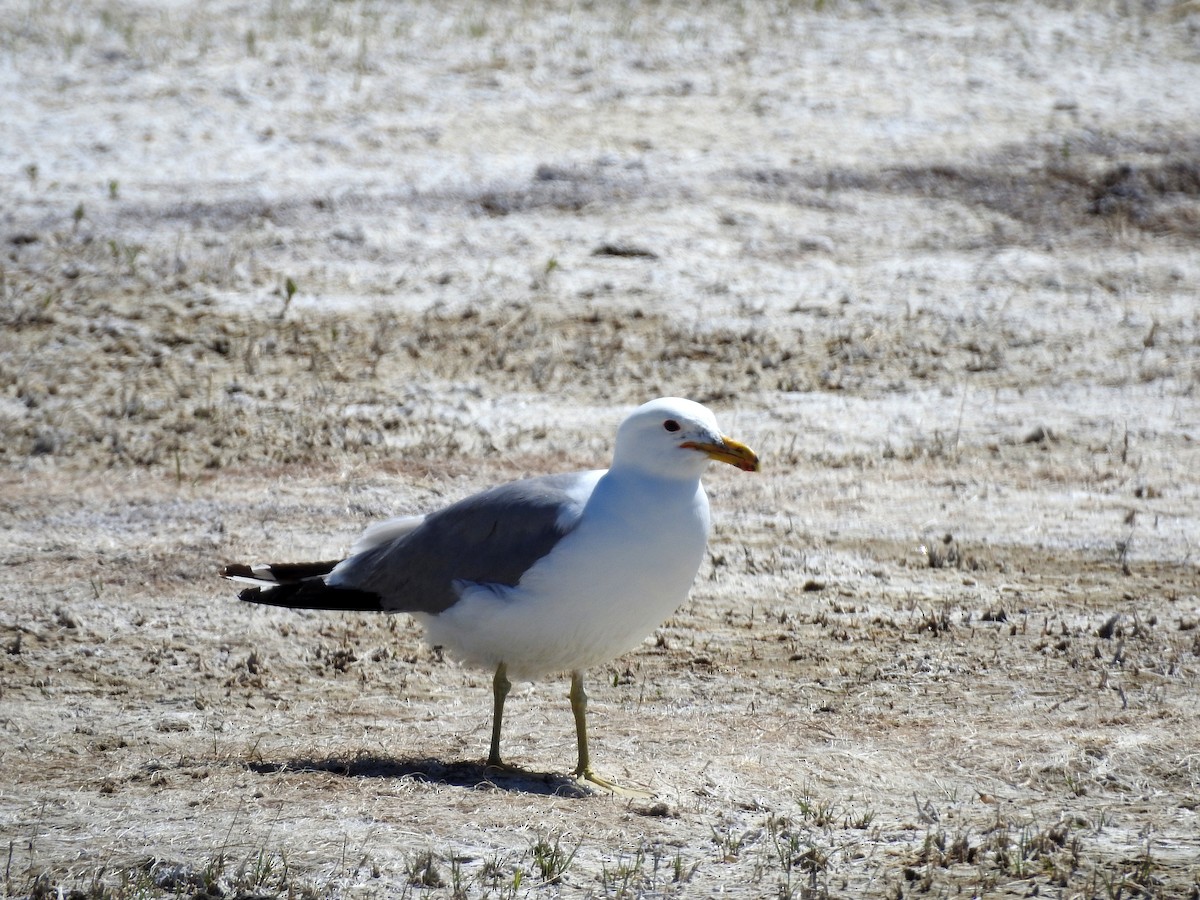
x,y
584,604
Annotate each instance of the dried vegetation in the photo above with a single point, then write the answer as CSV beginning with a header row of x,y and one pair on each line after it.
x,y
948,644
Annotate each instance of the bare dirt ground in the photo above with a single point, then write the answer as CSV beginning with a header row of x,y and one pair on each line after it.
x,y
273,271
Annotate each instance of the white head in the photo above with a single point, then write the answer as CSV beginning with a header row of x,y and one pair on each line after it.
x,y
675,438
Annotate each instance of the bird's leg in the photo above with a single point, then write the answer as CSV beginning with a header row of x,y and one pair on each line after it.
x,y
583,771
579,708
500,688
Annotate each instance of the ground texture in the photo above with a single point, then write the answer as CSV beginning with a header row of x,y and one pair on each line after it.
x,y
273,271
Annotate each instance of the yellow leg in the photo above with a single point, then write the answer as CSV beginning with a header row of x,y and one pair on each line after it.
x,y
583,771
500,688
579,710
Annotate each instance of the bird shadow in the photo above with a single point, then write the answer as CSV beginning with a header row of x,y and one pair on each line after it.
x,y
472,776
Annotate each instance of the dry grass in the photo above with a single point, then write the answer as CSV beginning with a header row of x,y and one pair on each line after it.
x,y
287,270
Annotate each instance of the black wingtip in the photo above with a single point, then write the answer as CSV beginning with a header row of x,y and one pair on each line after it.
x,y
313,595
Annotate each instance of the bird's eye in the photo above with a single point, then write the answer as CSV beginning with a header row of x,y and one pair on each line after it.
x,y
671,425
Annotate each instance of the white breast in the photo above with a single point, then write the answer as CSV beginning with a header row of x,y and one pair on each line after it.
x,y
605,587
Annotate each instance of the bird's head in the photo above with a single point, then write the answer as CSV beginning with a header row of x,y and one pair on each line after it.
x,y
673,437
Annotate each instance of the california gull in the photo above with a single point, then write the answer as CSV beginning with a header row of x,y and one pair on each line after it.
x,y
547,574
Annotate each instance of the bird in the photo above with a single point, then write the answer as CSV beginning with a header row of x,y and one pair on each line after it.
x,y
547,574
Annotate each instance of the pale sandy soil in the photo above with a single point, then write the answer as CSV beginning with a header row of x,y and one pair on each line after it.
x,y
937,263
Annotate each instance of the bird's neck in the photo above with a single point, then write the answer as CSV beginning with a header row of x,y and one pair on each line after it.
x,y
630,491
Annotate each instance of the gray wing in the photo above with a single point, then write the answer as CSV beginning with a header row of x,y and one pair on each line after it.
x,y
490,538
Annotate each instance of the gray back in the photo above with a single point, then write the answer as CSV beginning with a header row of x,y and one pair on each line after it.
x,y
492,538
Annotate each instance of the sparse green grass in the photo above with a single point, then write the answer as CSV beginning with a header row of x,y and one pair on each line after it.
x,y
265,873
551,859
730,840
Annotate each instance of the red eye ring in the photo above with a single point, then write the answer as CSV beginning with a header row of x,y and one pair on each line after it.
x,y
671,425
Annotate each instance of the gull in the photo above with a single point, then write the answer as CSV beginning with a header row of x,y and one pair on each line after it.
x,y
548,574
